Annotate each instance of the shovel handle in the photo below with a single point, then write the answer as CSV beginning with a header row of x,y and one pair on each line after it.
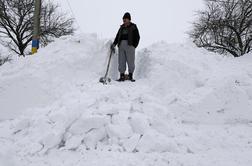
x,y
110,56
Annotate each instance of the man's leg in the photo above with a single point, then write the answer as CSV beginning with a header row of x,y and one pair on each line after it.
x,y
122,61
130,56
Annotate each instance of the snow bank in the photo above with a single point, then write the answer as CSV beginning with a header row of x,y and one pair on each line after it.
x,y
5,55
187,104
195,83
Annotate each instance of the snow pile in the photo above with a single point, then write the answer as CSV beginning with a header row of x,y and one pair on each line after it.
x,y
188,106
199,84
4,55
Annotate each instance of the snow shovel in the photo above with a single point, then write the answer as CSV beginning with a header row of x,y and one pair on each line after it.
x,y
105,80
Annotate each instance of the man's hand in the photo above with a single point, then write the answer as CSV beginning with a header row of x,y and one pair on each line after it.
x,y
112,48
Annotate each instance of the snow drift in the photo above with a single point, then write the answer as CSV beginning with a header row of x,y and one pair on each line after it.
x,y
188,106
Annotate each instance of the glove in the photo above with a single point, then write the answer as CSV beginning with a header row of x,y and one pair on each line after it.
x,y
112,48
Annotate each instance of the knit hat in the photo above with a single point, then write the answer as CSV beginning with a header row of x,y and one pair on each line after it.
x,y
127,15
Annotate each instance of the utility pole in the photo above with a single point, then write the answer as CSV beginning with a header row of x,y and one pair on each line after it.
x,y
36,27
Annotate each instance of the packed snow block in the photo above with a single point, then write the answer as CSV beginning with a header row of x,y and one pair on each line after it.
x,y
139,123
74,142
120,131
52,140
131,143
121,118
152,141
21,125
61,120
107,109
92,138
83,125
42,127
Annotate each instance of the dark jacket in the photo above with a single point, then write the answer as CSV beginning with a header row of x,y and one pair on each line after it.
x,y
133,35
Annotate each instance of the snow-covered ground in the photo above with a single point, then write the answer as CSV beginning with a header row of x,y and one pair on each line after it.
x,y
188,107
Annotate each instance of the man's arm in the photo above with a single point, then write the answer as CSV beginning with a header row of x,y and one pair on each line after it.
x,y
137,37
116,39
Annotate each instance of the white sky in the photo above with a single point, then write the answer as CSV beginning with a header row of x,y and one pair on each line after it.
x,y
157,20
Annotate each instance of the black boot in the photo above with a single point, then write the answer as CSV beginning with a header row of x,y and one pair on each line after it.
x,y
122,77
131,77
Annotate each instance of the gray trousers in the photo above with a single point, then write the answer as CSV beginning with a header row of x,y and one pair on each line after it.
x,y
126,55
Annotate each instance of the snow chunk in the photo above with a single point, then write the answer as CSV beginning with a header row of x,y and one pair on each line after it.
x,y
119,130
153,141
84,125
131,143
139,123
93,137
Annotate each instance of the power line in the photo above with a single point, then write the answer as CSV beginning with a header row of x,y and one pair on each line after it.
x,y
71,9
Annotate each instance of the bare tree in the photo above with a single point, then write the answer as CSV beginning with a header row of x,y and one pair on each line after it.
x,y
54,24
16,19
224,27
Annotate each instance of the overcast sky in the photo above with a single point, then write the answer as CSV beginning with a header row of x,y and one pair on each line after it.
x,y
156,19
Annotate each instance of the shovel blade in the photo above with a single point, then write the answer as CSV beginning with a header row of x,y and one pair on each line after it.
x,y
105,80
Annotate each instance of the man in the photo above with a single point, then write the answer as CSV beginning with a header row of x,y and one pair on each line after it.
x,y
127,40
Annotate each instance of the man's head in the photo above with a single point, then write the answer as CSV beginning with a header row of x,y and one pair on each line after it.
x,y
126,18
